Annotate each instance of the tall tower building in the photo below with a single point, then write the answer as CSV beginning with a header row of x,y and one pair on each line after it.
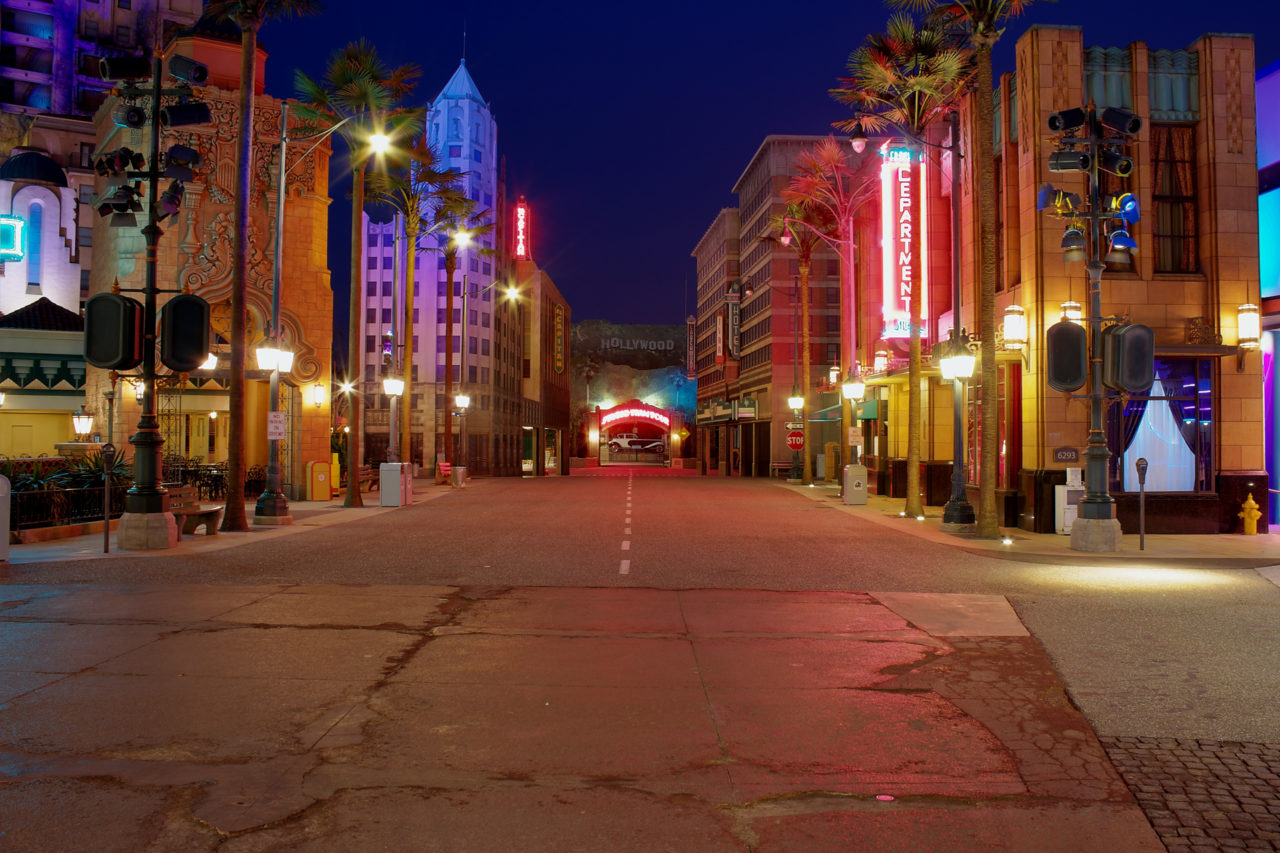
x,y
462,131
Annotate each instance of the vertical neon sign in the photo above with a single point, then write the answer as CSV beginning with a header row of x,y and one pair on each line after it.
x,y
522,230
903,230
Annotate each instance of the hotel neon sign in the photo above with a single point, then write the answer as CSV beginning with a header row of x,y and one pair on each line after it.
x,y
904,225
522,230
636,413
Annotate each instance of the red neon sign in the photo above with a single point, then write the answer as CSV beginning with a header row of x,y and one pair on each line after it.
x,y
903,229
636,413
522,230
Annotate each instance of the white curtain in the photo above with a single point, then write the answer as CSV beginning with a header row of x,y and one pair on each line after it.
x,y
1171,466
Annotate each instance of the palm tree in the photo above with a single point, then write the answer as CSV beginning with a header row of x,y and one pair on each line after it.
x,y
417,191
359,94
827,191
249,15
902,80
983,22
800,228
454,214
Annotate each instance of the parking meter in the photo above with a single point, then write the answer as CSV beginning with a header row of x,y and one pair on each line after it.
x,y
108,462
1141,465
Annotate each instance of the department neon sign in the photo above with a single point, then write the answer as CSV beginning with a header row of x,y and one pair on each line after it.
x,y
903,229
522,231
636,414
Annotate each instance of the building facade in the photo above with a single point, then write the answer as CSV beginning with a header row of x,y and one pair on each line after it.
x,y
462,131
748,324
1268,116
195,253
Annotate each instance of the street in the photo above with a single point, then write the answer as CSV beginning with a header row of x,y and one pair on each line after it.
x,y
634,660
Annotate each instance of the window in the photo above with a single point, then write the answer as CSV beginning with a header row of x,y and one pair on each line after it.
x,y
371,316
471,316
84,194
455,150
84,235
471,345
484,320
35,228
370,343
440,316
475,155
386,315
475,265
387,262
471,373
1171,426
124,35
484,377
1173,160
386,288
373,263
388,240
484,346
486,268
371,289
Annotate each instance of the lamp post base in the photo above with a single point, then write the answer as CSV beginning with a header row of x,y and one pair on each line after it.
x,y
146,531
1096,535
272,508
958,517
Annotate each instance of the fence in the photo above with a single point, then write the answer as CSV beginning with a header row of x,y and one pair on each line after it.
x,y
53,507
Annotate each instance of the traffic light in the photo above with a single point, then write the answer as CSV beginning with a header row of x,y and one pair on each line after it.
x,y
124,68
113,332
185,113
1070,161
188,70
184,332
1128,357
1066,348
1067,120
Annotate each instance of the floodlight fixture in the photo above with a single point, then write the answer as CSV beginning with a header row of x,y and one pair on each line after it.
x,y
1121,121
129,115
185,113
1070,161
1066,120
1117,164
188,70
124,68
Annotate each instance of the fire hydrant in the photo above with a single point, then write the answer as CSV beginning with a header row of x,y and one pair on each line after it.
x,y
1249,512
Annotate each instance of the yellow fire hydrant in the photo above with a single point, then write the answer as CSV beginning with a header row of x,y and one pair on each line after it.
x,y
1249,512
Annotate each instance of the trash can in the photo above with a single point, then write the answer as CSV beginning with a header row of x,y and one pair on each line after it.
x,y
458,476
855,485
319,482
390,488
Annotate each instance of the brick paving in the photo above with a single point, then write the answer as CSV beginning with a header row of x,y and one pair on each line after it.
x,y
1204,795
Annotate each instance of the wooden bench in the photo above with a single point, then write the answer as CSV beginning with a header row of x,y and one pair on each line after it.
x,y
780,469
369,477
184,503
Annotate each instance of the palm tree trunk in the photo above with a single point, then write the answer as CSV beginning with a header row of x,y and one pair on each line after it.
x,y
914,506
233,515
988,517
449,268
355,372
410,299
805,369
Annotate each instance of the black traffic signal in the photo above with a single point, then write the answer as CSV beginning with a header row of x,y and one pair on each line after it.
x,y
1128,357
184,332
1066,348
113,332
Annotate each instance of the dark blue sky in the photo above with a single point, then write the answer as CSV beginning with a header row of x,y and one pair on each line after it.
x,y
626,127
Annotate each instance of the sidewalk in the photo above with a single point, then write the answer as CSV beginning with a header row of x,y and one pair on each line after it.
x,y
306,515
1222,551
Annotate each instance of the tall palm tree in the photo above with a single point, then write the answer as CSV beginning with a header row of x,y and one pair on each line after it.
x,y
417,190
826,188
982,21
455,213
800,229
249,15
900,81
361,94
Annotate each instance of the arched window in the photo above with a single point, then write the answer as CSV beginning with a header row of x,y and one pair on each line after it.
x,y
35,225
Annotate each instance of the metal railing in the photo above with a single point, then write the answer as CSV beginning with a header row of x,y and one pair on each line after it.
x,y
55,507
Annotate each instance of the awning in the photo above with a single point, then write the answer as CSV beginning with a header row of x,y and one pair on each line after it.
x,y
828,411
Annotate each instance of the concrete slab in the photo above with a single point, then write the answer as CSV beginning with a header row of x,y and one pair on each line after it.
x,y
748,611
61,647
180,603
804,663
335,606
650,611
559,661
955,614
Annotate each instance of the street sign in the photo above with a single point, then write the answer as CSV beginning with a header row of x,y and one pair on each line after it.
x,y
795,440
275,426
794,425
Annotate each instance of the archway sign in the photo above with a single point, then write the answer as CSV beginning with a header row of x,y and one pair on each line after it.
x,y
635,411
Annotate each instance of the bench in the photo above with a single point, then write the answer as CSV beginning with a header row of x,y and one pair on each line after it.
x,y
369,477
184,503
780,469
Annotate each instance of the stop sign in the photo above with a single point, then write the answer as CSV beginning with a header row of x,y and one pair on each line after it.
x,y
795,439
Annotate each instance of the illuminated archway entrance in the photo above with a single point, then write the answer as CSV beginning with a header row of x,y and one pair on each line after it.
x,y
634,433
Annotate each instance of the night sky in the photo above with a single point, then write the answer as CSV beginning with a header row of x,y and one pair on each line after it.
x,y
627,126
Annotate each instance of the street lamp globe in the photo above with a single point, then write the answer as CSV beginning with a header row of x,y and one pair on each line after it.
x,y
393,385
81,422
854,387
796,402
462,400
379,143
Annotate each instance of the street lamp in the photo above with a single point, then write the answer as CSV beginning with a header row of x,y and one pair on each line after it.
x,y
393,387
853,389
82,423
1088,142
796,402
462,401
957,366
